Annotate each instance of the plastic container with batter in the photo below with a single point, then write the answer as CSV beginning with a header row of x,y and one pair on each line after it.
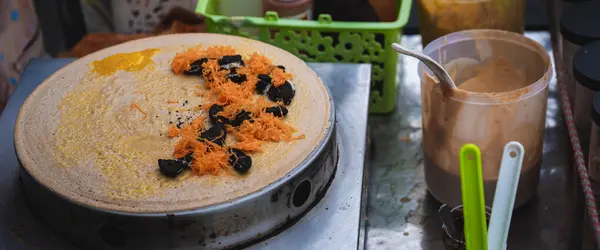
x,y
587,83
441,17
452,118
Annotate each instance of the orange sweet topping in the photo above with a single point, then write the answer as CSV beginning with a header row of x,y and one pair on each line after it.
x,y
208,157
172,131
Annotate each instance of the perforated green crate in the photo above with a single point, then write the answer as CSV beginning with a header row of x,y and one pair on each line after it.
x,y
325,41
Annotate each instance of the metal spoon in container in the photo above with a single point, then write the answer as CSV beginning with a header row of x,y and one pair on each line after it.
x,y
440,73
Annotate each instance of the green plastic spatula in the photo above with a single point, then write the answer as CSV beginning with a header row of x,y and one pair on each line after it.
x,y
472,197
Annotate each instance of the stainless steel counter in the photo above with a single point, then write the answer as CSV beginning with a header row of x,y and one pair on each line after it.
x,y
334,222
402,215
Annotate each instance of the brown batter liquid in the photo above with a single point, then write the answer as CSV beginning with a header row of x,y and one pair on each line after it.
x,y
449,122
492,76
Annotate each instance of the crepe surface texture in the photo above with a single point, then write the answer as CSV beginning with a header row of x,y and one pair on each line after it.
x,y
93,131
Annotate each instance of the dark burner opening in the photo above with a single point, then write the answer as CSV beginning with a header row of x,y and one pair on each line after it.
x,y
113,236
301,193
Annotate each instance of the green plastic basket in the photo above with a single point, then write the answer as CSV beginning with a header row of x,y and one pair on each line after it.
x,y
325,41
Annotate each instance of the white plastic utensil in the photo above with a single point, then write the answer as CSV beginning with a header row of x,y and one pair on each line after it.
x,y
504,197
435,67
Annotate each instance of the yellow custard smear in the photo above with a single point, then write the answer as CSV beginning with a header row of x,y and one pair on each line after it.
x,y
133,61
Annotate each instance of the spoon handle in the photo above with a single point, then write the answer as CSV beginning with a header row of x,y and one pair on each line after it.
x,y
504,197
473,197
434,66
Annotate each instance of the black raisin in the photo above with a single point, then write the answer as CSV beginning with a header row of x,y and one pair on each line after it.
x,y
240,161
278,111
264,81
215,134
230,59
241,117
187,159
171,168
284,93
213,115
214,110
196,67
228,62
281,67
237,78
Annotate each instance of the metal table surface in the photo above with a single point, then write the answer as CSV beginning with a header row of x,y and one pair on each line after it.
x,y
402,215
332,224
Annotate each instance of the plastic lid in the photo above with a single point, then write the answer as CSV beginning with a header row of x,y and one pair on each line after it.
x,y
579,22
596,109
585,66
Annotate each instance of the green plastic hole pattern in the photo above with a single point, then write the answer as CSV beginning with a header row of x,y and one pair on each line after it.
x,y
316,46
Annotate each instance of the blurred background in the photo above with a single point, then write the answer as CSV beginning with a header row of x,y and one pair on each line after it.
x,y
74,28
66,19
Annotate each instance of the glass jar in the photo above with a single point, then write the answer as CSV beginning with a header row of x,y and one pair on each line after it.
x,y
441,17
594,159
489,120
577,29
587,83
